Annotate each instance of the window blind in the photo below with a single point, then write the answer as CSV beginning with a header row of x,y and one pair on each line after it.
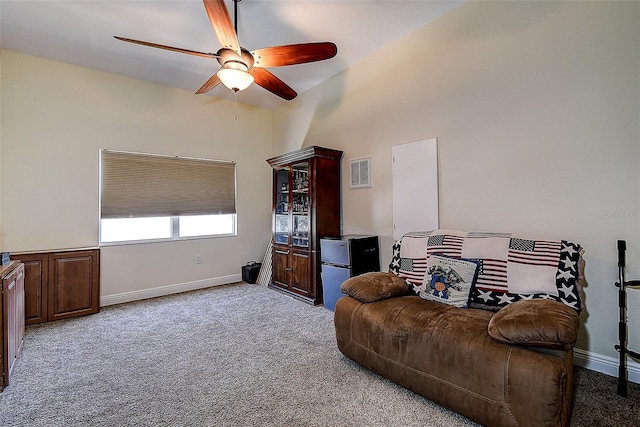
x,y
145,185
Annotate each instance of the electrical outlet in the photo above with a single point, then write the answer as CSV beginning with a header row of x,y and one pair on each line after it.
x,y
198,259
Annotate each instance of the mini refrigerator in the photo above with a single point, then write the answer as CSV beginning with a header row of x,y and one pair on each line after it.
x,y
345,257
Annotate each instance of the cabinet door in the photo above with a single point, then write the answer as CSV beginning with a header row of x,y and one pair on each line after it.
x,y
12,321
300,280
3,346
8,327
300,205
74,284
19,312
280,265
36,279
282,204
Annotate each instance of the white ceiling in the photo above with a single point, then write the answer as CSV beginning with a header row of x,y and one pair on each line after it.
x,y
81,32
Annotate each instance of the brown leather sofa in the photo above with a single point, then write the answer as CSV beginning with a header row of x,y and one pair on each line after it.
x,y
511,367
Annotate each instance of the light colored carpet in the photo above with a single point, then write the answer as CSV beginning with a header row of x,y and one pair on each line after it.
x,y
238,355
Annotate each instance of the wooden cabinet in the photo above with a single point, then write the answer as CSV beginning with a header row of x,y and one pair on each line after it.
x,y
61,284
306,208
11,318
36,267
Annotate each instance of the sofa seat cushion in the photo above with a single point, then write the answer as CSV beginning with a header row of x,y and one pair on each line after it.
x,y
434,338
536,323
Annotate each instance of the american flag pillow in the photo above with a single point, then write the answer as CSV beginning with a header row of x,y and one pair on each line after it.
x,y
410,258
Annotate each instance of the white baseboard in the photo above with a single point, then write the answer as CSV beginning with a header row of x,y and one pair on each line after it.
x,y
167,290
605,364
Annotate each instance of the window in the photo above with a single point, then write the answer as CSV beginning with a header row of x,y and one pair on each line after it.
x,y
145,197
198,225
125,229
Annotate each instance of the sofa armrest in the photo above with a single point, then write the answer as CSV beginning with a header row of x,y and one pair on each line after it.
x,y
374,286
536,323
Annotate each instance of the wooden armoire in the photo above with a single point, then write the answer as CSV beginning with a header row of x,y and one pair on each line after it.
x,y
306,208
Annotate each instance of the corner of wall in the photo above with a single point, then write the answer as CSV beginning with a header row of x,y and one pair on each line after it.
x,y
291,123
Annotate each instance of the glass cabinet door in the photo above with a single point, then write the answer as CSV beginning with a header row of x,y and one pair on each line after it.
x,y
281,226
300,204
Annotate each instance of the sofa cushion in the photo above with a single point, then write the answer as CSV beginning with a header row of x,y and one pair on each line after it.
x,y
448,280
511,268
374,286
536,323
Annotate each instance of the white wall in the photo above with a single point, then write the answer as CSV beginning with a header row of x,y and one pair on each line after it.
x,y
536,107
56,117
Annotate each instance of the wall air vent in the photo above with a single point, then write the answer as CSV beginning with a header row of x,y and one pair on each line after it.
x,y
361,173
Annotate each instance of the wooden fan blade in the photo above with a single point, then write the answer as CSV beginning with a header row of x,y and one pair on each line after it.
x,y
210,84
222,25
273,84
278,56
171,48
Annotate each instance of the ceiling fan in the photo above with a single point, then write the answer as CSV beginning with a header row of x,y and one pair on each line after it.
x,y
240,67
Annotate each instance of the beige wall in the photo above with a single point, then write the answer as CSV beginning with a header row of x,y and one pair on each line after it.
x,y
536,107
56,117
1,246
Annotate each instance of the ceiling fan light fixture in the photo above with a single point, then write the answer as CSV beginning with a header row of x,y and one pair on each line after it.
x,y
235,79
241,67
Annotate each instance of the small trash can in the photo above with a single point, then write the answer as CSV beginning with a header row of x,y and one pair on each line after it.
x,y
250,271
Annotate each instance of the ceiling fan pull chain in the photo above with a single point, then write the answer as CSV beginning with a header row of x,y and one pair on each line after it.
x,y
235,15
235,104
